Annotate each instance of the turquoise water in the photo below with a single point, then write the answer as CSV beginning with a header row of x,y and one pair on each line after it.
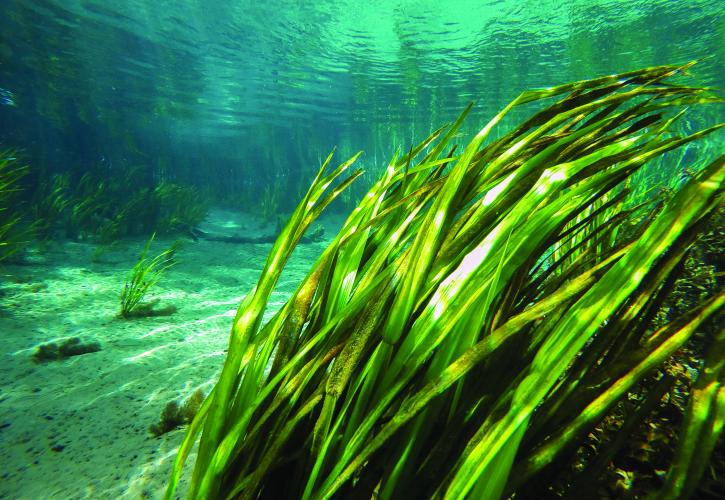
x,y
224,94
204,122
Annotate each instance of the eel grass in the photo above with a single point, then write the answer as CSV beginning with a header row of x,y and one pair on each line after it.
x,y
476,316
14,234
142,276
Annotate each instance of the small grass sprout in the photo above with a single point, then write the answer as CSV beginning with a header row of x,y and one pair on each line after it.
x,y
144,275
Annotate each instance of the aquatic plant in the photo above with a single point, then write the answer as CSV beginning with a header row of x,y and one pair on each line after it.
x,y
480,311
174,416
178,206
144,275
703,424
66,349
89,205
50,201
110,208
269,203
169,419
165,208
13,234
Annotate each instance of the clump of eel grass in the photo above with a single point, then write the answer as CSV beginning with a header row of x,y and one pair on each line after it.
x,y
144,275
14,235
479,313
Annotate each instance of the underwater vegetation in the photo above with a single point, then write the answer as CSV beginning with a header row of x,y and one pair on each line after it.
x,y
144,275
482,310
70,347
175,415
14,234
269,203
109,209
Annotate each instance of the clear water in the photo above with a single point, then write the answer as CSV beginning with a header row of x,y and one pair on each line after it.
x,y
227,93
241,99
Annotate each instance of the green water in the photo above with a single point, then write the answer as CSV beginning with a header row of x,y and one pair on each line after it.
x,y
228,94
205,121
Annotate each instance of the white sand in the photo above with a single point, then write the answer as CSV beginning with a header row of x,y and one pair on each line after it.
x,y
95,409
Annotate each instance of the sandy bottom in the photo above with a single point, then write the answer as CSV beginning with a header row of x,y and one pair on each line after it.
x,y
78,428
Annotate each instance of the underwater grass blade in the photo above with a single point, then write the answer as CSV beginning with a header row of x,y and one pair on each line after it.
x,y
144,275
584,317
456,297
13,236
246,323
704,421
594,411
